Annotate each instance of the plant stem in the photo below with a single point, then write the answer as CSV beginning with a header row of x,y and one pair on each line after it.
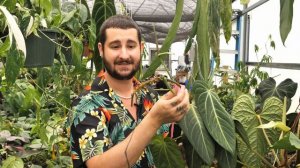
x,y
268,141
282,151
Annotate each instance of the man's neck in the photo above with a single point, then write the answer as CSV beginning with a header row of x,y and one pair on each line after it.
x,y
121,87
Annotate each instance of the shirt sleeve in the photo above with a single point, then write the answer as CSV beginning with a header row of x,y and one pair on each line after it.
x,y
90,135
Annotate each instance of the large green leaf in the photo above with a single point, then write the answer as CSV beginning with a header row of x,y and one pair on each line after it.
x,y
163,52
214,29
193,127
286,88
203,40
226,14
102,10
289,142
286,18
217,120
166,153
244,112
13,162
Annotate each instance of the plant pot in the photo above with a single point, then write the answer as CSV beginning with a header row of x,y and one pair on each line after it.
x,y
40,50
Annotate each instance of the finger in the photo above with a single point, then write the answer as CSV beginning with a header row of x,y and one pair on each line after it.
x,y
179,97
172,93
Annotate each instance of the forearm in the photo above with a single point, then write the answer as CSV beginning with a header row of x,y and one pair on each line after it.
x,y
134,146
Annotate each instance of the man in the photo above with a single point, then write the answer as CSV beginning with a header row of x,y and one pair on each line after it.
x,y
107,130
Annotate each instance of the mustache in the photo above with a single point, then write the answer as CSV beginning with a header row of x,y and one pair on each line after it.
x,y
123,61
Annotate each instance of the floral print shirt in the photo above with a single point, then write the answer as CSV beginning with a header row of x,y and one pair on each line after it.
x,y
99,120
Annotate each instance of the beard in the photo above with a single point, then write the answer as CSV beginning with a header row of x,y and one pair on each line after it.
x,y
113,72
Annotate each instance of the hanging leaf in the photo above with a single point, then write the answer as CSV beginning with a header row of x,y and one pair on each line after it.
x,y
286,18
156,62
14,30
14,62
226,14
244,112
193,127
289,142
217,120
102,10
214,29
13,162
194,28
203,57
166,153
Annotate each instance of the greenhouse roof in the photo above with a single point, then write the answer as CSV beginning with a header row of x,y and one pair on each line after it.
x,y
155,17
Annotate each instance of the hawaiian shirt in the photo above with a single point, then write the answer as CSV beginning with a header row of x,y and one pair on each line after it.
x,y
99,120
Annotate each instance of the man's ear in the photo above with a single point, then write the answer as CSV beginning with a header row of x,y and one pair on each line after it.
x,y
142,46
100,48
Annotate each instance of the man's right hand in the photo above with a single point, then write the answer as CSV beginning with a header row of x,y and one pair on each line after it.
x,y
171,107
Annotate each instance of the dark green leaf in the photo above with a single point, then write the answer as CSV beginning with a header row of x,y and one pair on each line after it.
x,y
286,18
166,153
239,129
289,142
163,52
193,159
193,127
217,120
286,88
225,159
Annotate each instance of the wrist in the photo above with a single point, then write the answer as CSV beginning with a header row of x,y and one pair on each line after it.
x,y
154,121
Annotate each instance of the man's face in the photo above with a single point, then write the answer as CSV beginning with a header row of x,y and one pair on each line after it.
x,y
121,53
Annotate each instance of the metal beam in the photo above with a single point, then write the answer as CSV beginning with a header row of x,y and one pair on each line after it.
x,y
250,8
294,66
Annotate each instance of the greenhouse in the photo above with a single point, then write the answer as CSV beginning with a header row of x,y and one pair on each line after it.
x,y
149,83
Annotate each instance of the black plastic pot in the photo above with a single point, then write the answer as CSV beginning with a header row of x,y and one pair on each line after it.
x,y
40,50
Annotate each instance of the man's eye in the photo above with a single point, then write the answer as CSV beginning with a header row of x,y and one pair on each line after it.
x,y
131,46
114,46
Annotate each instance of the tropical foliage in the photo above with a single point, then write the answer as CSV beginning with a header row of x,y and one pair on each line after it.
x,y
217,132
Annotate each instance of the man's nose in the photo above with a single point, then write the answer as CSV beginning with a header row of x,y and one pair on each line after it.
x,y
124,52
